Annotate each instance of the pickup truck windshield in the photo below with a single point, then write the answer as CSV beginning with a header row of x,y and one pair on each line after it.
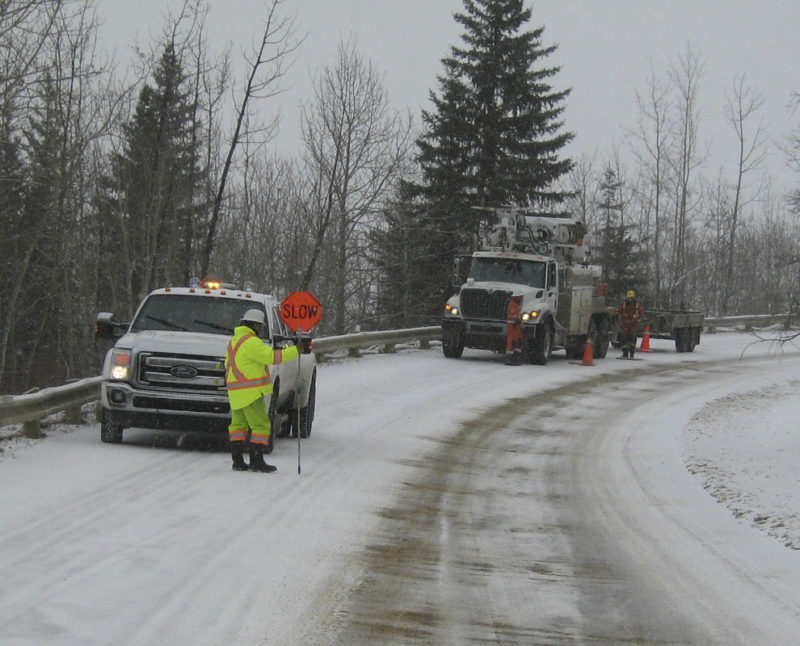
x,y
509,270
209,314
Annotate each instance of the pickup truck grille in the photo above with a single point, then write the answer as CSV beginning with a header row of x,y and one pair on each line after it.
x,y
481,303
181,372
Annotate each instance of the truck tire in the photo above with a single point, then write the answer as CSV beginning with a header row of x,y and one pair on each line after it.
x,y
691,339
452,343
542,345
600,338
109,431
275,418
306,413
681,341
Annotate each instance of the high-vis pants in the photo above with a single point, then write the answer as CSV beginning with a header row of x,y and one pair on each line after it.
x,y
254,417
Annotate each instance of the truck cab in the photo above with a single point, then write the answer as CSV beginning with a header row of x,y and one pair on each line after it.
x,y
166,369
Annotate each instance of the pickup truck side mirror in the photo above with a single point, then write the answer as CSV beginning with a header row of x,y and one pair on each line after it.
x,y
106,328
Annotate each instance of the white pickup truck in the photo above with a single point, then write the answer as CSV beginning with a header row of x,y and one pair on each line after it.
x,y
166,369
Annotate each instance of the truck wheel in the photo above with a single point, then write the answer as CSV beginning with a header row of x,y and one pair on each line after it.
x,y
276,427
601,339
452,344
109,431
307,413
542,345
681,344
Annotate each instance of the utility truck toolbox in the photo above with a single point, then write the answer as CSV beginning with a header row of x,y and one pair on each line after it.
x,y
166,369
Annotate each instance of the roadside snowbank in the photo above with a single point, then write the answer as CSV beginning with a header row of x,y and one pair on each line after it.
x,y
745,449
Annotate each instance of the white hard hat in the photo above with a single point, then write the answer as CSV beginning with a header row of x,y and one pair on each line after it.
x,y
254,316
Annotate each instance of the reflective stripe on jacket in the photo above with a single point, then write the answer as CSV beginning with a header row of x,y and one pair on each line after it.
x,y
246,373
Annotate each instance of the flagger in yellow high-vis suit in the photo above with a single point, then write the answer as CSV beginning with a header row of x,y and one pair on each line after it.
x,y
248,380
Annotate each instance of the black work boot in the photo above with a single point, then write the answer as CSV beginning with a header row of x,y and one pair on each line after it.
x,y
257,460
237,453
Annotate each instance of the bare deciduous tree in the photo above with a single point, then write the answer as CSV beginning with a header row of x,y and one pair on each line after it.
x,y
685,158
355,145
742,105
273,53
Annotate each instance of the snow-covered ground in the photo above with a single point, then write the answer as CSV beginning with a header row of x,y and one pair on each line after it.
x,y
745,449
157,541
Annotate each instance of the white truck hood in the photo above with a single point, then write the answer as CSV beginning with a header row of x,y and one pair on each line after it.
x,y
175,342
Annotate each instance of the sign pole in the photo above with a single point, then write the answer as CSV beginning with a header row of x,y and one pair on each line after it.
x,y
300,310
297,396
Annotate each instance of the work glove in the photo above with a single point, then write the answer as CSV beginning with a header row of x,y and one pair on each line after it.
x,y
305,344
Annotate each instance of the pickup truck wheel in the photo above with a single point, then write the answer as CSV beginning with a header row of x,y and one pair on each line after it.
x,y
276,428
306,413
452,344
542,345
109,431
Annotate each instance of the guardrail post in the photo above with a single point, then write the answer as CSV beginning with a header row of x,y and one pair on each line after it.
x,y
388,348
73,415
424,344
353,352
32,429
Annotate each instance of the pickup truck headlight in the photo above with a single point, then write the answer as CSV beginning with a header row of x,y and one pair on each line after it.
x,y
120,364
452,310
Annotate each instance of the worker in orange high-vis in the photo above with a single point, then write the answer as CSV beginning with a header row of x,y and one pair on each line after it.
x,y
248,380
514,332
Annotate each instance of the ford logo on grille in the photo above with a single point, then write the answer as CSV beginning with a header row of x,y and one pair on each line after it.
x,y
187,372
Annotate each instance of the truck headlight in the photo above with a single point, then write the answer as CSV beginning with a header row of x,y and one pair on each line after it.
x,y
120,364
530,316
452,310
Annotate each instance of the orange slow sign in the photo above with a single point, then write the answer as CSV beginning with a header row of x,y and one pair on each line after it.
x,y
301,311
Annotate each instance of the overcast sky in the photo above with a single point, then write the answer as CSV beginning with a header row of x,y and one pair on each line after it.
x,y
605,51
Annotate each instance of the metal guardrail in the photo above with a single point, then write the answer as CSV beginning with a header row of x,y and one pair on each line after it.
x,y
747,322
30,409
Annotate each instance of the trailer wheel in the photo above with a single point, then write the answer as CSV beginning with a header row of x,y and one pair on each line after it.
x,y
691,339
681,341
542,345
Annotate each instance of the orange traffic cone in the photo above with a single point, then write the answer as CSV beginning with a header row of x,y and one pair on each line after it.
x,y
645,347
588,354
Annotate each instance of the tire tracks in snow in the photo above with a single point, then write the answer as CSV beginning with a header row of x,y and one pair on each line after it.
x,y
496,538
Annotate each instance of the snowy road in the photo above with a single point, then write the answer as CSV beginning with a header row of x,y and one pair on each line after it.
x,y
440,502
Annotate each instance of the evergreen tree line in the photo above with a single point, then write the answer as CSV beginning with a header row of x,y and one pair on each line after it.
x,y
111,189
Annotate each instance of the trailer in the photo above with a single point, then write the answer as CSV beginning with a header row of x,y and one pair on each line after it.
x,y
682,326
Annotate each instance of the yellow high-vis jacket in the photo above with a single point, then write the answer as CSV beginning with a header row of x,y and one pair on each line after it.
x,y
246,366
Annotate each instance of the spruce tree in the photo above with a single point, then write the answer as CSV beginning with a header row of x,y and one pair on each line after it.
x,y
621,256
493,137
151,216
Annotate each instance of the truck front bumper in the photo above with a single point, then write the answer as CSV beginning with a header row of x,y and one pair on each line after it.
x,y
129,406
485,335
